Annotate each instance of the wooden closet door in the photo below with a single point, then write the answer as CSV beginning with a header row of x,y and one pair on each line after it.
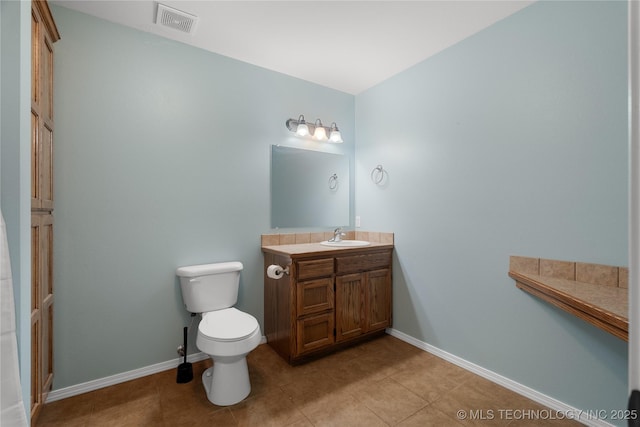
x,y
43,34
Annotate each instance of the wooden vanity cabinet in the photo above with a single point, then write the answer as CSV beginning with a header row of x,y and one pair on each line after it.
x,y
327,301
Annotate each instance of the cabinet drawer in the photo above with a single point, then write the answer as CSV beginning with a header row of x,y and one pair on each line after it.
x,y
356,263
315,268
315,332
314,296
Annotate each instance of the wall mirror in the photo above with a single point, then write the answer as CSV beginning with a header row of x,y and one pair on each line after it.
x,y
308,188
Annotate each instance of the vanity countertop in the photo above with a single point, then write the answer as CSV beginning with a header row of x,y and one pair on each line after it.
x,y
298,249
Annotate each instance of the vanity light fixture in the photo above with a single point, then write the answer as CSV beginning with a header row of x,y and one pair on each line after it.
x,y
317,130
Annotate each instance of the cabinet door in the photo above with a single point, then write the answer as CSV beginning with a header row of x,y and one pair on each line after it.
x,y
41,309
315,332
46,289
36,73
350,306
314,296
41,111
378,299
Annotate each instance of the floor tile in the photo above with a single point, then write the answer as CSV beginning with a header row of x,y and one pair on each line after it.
x,y
349,371
301,423
74,411
124,393
381,382
475,402
141,412
222,417
540,419
390,401
273,409
76,421
429,417
427,384
273,371
337,409
314,381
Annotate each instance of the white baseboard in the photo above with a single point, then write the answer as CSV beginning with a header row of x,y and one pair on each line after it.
x,y
77,389
583,416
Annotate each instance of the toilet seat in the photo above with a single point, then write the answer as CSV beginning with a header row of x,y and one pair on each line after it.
x,y
227,325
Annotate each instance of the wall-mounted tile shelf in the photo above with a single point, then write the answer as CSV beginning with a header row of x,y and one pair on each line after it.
x,y
593,292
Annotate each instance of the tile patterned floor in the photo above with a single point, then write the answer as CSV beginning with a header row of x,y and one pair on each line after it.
x,y
385,382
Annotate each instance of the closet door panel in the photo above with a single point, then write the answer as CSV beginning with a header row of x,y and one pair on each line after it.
x,y
46,167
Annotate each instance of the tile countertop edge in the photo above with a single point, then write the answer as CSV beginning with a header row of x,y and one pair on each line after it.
x,y
317,248
542,287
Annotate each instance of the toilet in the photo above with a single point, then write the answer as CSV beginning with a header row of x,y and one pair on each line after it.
x,y
225,333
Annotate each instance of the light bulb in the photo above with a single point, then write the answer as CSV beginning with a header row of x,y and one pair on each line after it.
x,y
334,134
320,133
302,129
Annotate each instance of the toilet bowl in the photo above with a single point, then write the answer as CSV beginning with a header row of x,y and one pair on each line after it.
x,y
227,336
225,333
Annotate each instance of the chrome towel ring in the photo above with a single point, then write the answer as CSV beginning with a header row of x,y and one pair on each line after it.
x,y
377,174
333,181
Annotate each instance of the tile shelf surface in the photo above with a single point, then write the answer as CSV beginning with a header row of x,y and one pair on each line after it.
x,y
595,293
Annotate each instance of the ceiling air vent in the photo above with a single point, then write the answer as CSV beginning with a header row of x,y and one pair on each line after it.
x,y
176,19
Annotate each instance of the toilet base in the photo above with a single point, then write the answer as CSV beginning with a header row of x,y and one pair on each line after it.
x,y
227,381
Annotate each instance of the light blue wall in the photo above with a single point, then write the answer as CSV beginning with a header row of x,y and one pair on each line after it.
x,y
512,142
15,167
162,159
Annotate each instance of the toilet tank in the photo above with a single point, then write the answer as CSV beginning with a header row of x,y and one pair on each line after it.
x,y
209,287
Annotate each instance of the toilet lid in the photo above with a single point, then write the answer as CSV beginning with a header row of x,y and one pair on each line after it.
x,y
229,324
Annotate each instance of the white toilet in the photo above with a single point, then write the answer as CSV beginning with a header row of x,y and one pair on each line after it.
x,y
225,333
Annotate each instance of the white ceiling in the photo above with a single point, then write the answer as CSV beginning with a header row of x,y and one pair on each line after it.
x,y
346,45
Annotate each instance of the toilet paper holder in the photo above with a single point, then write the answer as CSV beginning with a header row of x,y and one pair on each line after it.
x,y
275,271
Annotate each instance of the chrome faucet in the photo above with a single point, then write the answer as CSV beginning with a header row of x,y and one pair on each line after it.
x,y
337,235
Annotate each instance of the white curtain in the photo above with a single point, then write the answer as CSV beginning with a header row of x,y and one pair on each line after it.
x,y
12,413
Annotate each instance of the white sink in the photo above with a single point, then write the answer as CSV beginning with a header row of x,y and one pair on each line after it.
x,y
346,243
